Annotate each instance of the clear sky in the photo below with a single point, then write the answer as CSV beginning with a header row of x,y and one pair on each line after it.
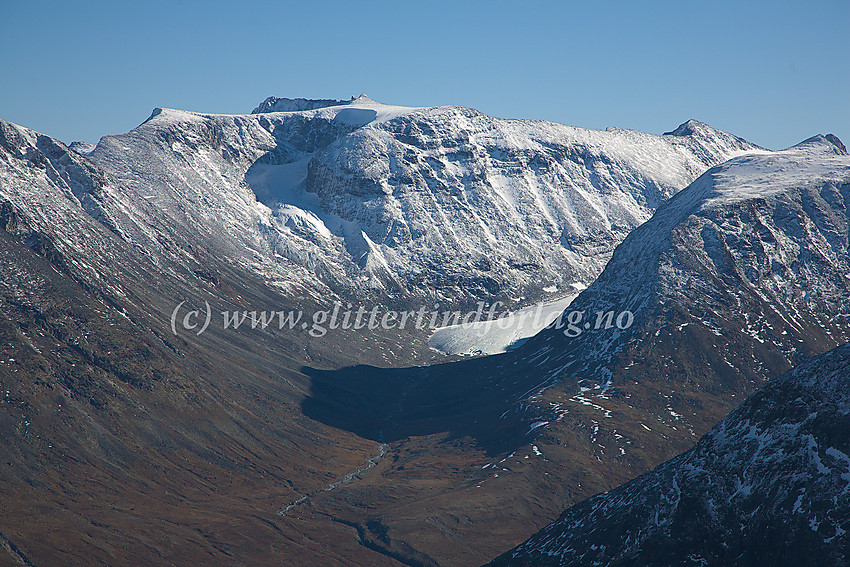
x,y
772,72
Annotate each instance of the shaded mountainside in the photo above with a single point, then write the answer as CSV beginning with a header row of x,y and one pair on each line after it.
x,y
769,485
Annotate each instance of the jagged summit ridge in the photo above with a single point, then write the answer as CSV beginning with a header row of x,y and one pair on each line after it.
x,y
688,128
828,142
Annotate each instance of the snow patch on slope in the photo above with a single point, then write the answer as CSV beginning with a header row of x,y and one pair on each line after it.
x,y
498,335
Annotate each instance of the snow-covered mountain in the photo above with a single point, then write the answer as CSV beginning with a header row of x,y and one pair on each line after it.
x,y
769,485
735,279
396,203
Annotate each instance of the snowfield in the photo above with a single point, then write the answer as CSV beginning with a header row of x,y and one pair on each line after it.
x,y
498,335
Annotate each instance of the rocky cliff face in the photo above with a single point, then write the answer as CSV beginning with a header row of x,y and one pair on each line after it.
x,y
475,207
399,204
278,104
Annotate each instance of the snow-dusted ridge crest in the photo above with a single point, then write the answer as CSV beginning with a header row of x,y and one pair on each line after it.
x,y
276,104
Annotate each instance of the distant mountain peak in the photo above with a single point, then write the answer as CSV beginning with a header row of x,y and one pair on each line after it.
x,y
278,104
828,141
363,99
689,128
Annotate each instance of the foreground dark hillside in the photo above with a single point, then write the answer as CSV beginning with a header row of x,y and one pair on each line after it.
x,y
769,485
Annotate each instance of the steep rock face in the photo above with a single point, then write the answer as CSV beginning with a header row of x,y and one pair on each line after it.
x,y
399,204
476,207
183,186
770,485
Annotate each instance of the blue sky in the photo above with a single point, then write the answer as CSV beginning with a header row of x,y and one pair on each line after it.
x,y
772,72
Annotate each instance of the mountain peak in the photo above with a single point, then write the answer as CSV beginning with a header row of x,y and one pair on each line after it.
x,y
278,104
688,128
363,99
282,104
829,142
